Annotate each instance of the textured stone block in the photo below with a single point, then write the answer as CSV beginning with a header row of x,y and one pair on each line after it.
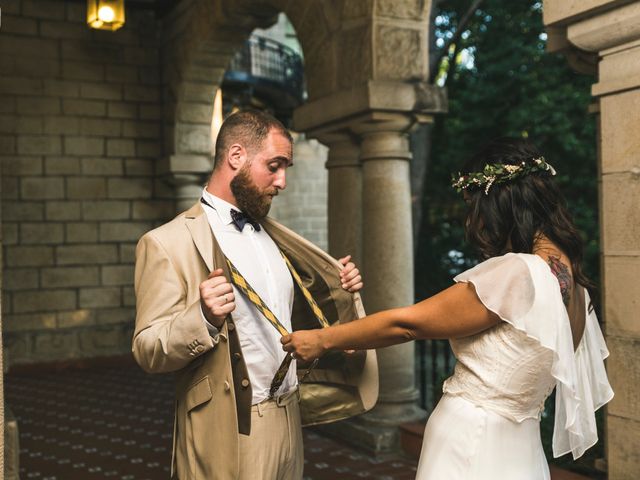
x,y
61,88
621,150
20,256
62,166
29,321
39,144
82,71
45,9
127,253
28,46
41,68
20,25
622,295
102,166
42,188
9,234
81,232
117,275
38,106
112,316
65,277
148,149
63,210
623,455
29,124
106,210
64,125
7,102
121,148
623,367
122,74
55,345
20,86
128,297
43,301
150,112
89,108
86,254
7,144
137,188
84,146
123,110
10,188
76,318
100,297
135,167
101,91
140,129
20,279
123,231
101,127
86,188
22,211
620,214
22,165
41,233
153,210
64,30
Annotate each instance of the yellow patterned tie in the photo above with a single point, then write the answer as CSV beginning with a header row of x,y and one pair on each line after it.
x,y
241,283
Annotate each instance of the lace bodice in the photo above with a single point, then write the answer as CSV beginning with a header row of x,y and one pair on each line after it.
x,y
513,367
502,370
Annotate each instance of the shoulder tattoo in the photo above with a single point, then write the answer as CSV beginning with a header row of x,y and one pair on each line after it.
x,y
562,273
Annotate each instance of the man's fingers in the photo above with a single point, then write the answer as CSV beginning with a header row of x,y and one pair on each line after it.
x,y
345,260
357,287
285,339
216,273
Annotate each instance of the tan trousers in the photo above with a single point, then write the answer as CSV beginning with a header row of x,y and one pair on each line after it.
x,y
274,449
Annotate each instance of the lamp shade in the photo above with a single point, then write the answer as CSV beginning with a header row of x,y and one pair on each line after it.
x,y
105,14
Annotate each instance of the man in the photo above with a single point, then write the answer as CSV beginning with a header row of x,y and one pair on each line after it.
x,y
216,288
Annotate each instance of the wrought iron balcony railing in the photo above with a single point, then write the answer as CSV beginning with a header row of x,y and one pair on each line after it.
x,y
271,71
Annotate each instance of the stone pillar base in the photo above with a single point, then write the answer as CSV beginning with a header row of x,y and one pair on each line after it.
x,y
382,439
11,446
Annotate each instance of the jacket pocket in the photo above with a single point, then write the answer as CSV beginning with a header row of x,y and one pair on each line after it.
x,y
198,394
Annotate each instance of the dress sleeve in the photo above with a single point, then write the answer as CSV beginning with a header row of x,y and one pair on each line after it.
x,y
523,292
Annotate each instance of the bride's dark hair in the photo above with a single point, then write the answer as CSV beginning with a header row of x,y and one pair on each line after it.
x,y
512,215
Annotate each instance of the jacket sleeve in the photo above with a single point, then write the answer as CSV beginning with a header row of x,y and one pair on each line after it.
x,y
169,332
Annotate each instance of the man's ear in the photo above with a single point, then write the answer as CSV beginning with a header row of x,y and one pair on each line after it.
x,y
236,156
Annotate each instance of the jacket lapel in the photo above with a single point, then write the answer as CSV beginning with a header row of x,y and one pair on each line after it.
x,y
198,225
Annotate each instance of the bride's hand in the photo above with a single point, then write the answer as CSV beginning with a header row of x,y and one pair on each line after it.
x,y
304,345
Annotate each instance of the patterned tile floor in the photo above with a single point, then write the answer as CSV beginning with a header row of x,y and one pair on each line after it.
x,y
116,423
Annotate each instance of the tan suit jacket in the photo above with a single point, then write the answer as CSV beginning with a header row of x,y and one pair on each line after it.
x,y
213,395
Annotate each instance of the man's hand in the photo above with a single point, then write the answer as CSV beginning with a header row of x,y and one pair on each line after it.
x,y
304,345
350,275
216,298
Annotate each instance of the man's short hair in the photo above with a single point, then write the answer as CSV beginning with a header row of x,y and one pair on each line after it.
x,y
249,128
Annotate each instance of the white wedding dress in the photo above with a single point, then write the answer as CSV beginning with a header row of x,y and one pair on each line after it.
x,y
487,424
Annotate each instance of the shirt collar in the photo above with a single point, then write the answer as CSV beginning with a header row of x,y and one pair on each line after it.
x,y
220,206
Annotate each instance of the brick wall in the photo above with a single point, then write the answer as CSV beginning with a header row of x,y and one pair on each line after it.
x,y
80,137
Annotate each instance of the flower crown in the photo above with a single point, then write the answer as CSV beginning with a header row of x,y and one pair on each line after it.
x,y
497,173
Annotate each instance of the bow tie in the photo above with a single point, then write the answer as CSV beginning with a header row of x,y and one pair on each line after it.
x,y
240,219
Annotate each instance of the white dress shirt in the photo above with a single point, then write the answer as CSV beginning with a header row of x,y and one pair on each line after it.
x,y
258,259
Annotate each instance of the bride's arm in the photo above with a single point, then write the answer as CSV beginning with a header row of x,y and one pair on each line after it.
x,y
452,313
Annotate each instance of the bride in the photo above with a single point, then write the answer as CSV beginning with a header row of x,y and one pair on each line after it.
x,y
520,324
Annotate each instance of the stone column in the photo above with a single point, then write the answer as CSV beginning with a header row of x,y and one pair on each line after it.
x,y
345,197
388,260
608,31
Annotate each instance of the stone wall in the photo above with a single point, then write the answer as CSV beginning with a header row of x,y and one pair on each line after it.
x,y
80,134
302,206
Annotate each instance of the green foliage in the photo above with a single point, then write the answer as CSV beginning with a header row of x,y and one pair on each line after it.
x,y
502,82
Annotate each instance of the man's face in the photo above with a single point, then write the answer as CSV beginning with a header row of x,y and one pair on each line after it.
x,y
263,175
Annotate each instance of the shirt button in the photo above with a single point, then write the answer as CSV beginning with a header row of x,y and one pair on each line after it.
x,y
199,349
227,387
237,356
244,383
230,326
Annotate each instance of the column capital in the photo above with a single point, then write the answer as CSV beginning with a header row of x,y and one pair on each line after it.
x,y
338,110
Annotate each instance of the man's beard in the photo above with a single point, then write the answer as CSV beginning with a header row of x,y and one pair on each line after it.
x,y
250,198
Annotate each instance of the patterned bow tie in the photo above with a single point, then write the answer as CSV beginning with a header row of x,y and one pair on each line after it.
x,y
240,219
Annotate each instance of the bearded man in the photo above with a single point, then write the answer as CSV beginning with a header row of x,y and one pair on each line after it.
x,y
216,289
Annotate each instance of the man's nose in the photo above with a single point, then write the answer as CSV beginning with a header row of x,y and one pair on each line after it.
x,y
281,180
